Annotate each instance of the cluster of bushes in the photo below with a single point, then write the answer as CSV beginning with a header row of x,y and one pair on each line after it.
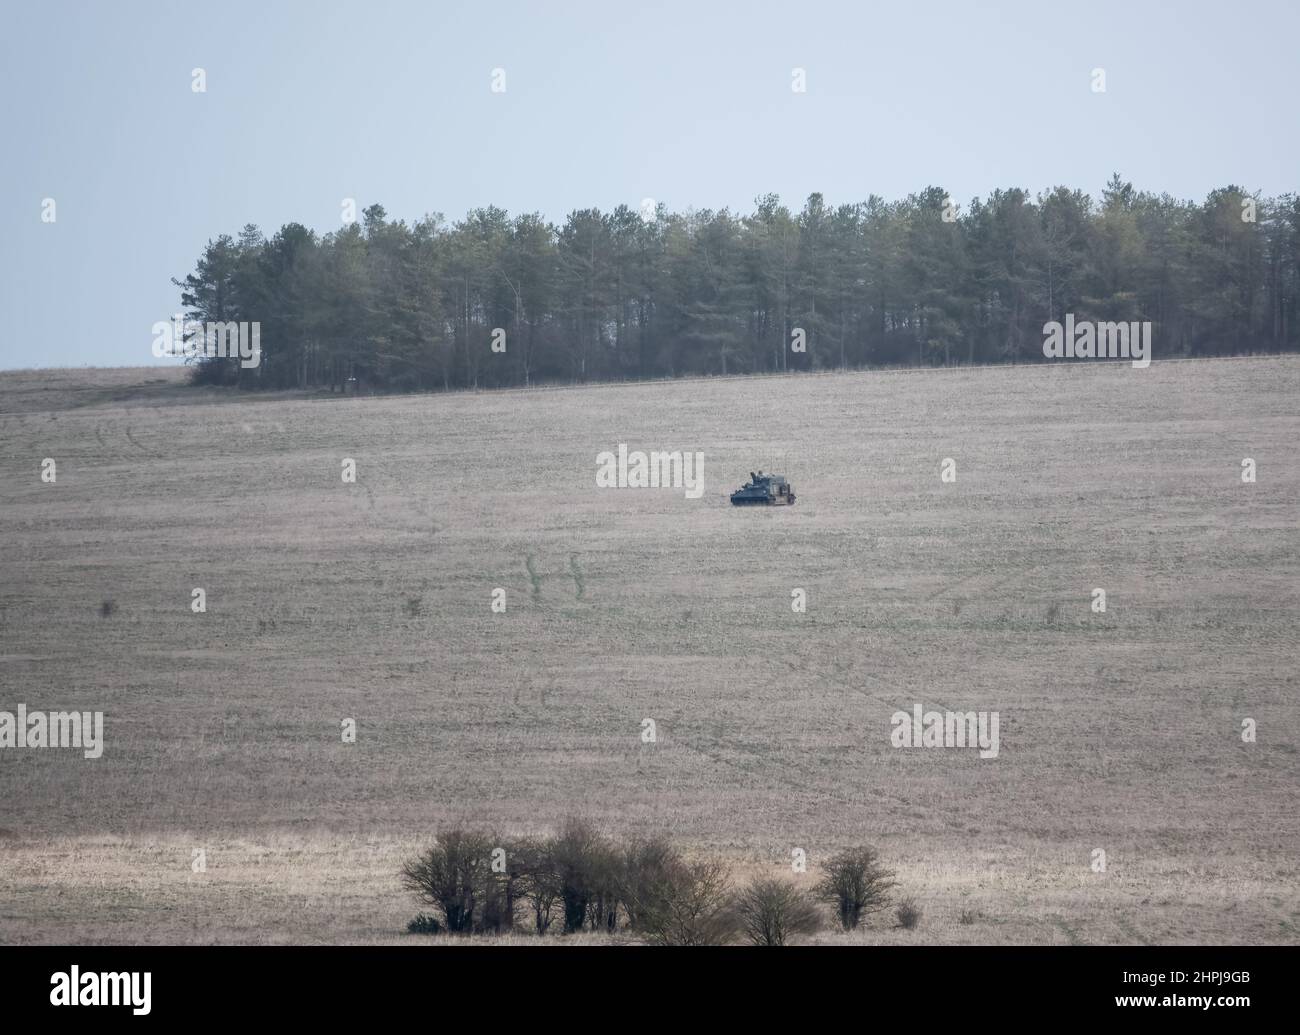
x,y
581,880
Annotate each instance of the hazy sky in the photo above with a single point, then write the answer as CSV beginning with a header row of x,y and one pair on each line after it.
x,y
687,103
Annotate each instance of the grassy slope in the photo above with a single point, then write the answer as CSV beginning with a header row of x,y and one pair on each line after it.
x,y
371,601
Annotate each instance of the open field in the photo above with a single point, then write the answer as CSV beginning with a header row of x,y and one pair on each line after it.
x,y
1119,731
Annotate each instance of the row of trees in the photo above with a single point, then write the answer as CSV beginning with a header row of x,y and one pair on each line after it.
x,y
580,879
631,295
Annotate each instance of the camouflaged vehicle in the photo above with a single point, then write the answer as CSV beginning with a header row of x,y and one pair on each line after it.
x,y
764,490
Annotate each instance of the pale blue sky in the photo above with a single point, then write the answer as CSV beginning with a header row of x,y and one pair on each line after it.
x,y
689,103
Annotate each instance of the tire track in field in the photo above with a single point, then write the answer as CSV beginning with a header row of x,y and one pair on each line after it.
x,y
1070,932
148,452
393,487
1131,932
843,677
951,586
997,584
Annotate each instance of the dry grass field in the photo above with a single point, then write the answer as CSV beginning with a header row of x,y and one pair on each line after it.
x,y
1119,731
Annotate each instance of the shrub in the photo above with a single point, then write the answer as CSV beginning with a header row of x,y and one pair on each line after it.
x,y
452,875
606,873
502,889
583,863
647,868
908,913
690,904
968,916
424,924
771,911
855,882
539,883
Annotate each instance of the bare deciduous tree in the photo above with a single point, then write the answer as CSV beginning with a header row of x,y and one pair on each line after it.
x,y
581,857
451,875
690,904
855,882
646,867
772,911
539,882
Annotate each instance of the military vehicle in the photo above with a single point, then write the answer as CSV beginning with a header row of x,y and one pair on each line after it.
x,y
765,490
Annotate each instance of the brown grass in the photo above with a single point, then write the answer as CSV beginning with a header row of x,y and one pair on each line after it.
x,y
1119,731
